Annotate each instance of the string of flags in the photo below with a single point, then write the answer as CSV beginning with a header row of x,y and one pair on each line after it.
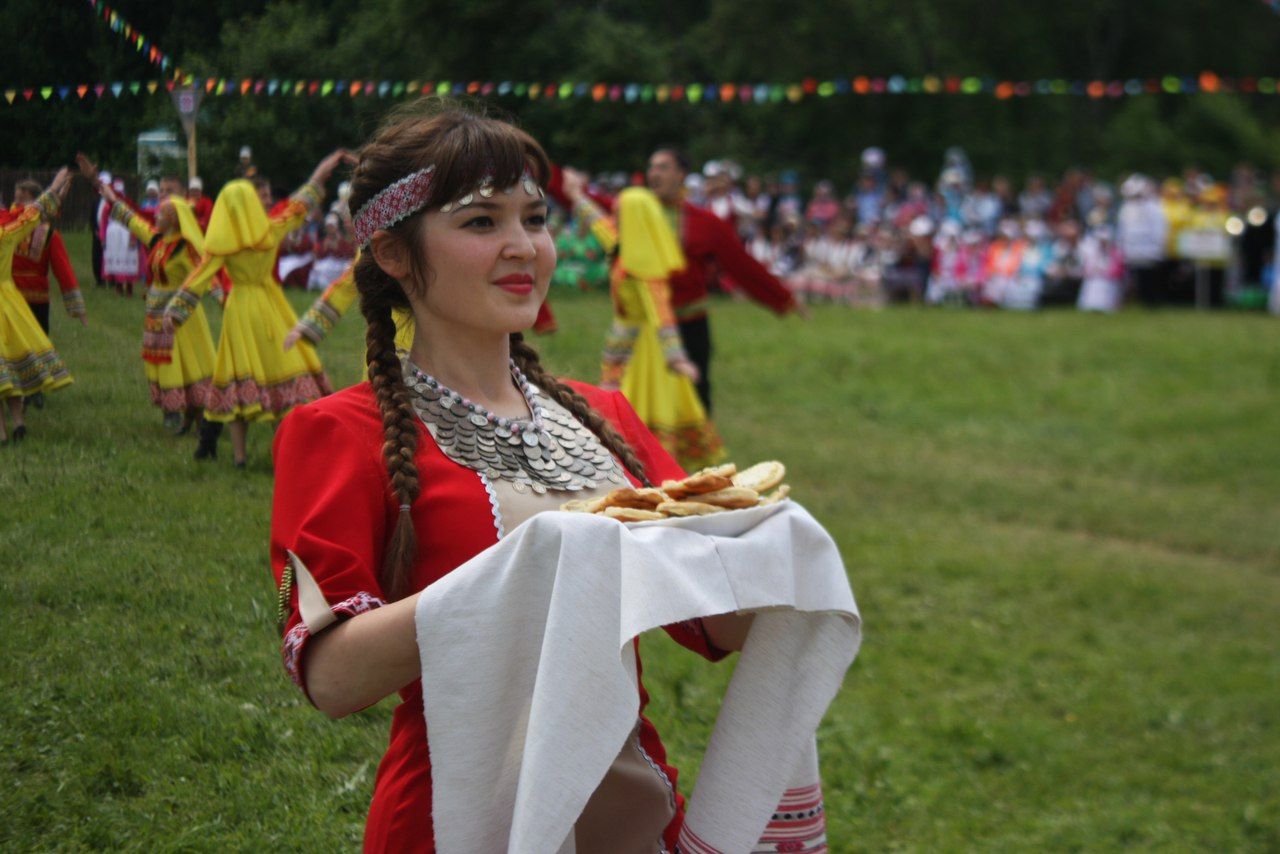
x,y
746,93
630,93
137,40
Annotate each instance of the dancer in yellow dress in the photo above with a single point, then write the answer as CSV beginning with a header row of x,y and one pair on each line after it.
x,y
178,365
643,354
28,362
254,377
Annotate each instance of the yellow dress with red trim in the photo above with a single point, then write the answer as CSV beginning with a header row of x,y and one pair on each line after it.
x,y
28,362
254,377
643,342
178,365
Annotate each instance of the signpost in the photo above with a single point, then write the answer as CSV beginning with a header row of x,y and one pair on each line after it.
x,y
1204,246
187,101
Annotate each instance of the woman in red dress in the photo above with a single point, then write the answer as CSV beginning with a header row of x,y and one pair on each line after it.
x,y
387,486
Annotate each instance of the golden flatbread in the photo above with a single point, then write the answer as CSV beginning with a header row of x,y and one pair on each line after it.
x,y
631,514
731,497
761,477
777,495
688,508
642,499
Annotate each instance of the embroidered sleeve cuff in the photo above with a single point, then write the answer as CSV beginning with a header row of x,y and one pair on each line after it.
x,y
310,195
318,321
672,348
296,639
182,306
48,204
120,213
73,302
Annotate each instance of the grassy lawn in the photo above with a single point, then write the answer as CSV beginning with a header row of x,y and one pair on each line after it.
x,y
1063,532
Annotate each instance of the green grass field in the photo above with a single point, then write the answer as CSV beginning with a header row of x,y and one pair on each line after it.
x,y
1063,532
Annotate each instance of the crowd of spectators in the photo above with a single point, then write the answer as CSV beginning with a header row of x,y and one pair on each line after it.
x,y
964,239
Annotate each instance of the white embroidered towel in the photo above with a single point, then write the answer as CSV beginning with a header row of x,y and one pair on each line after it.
x,y
529,683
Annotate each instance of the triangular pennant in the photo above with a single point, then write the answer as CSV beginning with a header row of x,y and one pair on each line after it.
x,y
10,94
116,89
27,93
383,88
46,92
356,86
245,86
172,84
412,86
135,87
272,86
258,86
99,89
63,92
82,90
152,86
209,84
313,87
397,90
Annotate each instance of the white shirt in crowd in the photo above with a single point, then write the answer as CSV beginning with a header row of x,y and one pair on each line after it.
x,y
1143,231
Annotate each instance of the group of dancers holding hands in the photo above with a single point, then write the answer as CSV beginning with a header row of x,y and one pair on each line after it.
x,y
248,375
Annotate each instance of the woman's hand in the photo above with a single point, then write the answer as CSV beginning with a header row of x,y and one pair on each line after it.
x,y
574,183
292,338
87,167
61,183
686,368
326,166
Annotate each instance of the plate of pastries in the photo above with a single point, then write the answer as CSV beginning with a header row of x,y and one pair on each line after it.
x,y
718,489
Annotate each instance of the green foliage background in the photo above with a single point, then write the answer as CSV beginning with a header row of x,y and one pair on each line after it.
x,y
700,40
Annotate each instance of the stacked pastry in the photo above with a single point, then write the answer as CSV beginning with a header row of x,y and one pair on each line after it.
x,y
712,490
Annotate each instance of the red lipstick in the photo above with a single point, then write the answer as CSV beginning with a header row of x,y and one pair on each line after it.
x,y
520,284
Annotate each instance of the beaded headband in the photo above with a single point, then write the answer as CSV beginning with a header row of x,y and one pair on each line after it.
x,y
406,197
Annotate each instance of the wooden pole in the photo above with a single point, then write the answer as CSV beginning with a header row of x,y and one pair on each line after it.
x,y
191,152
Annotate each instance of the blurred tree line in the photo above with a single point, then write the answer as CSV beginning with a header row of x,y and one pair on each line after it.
x,y
695,40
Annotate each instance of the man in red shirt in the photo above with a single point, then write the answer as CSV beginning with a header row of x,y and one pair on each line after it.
x,y
201,205
705,238
41,250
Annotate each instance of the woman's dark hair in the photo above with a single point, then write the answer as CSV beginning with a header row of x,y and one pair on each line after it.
x,y
465,147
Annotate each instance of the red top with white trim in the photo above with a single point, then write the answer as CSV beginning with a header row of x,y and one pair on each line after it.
x,y
333,508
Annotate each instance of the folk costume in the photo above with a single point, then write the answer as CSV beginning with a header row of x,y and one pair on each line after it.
x,y
28,362
481,477
705,239
254,378
39,254
643,344
333,510
122,259
178,364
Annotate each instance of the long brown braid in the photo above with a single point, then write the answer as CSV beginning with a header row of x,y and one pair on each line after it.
x,y
526,359
463,146
399,421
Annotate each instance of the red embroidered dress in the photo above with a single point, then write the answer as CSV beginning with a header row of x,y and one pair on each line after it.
x,y
333,510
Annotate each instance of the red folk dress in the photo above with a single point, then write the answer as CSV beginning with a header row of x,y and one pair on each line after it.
x,y
333,508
